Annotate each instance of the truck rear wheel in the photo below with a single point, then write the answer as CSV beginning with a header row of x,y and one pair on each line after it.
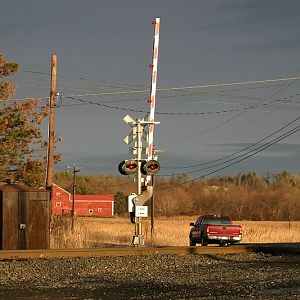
x,y
192,242
203,241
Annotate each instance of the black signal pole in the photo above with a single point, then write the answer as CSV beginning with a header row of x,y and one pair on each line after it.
x,y
152,209
75,170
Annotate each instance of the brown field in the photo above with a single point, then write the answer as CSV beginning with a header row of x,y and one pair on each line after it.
x,y
171,231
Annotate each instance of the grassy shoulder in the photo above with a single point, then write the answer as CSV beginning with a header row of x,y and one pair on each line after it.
x,y
168,231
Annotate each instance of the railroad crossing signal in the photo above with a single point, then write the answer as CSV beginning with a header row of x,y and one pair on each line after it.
x,y
140,165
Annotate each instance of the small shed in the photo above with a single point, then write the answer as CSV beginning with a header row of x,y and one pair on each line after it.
x,y
24,217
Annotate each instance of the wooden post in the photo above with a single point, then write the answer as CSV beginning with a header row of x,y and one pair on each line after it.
x,y
51,136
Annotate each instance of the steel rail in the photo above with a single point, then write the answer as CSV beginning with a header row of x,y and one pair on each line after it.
x,y
292,248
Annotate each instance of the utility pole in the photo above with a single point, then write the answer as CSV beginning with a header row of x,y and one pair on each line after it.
x,y
51,134
74,170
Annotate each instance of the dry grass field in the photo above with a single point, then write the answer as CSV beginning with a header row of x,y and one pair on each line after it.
x,y
171,231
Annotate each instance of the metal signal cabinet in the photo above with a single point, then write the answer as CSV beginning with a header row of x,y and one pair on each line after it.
x,y
24,217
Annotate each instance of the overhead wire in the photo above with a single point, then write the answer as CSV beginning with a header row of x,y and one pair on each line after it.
x,y
83,78
241,150
172,88
177,95
189,87
206,85
176,88
241,155
281,89
261,99
181,113
161,89
235,162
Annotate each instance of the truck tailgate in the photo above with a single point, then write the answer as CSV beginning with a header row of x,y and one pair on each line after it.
x,y
223,230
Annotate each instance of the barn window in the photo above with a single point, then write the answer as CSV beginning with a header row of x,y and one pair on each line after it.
x,y
58,204
99,209
91,211
57,194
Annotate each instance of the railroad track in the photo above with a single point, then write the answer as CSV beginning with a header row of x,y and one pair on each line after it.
x,y
292,248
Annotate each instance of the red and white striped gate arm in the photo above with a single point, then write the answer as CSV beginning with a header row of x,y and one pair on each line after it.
x,y
156,24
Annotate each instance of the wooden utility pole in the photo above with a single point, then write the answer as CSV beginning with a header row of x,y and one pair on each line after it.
x,y
51,135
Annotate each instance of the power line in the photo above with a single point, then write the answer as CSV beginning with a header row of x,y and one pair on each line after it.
x,y
161,97
192,86
116,85
170,143
179,95
233,163
241,150
114,93
179,88
182,113
267,97
187,87
241,155
229,84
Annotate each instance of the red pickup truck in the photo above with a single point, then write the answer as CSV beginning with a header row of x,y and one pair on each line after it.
x,y
215,229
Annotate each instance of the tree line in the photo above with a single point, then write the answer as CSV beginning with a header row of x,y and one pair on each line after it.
x,y
243,196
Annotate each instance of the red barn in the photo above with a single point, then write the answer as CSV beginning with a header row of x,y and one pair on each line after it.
x,y
85,205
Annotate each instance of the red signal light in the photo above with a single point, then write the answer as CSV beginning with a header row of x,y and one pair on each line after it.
x,y
150,167
132,166
128,167
153,167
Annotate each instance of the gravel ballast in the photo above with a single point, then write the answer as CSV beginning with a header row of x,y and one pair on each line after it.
x,y
235,276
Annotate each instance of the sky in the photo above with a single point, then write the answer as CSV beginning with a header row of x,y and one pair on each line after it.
x,y
106,47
